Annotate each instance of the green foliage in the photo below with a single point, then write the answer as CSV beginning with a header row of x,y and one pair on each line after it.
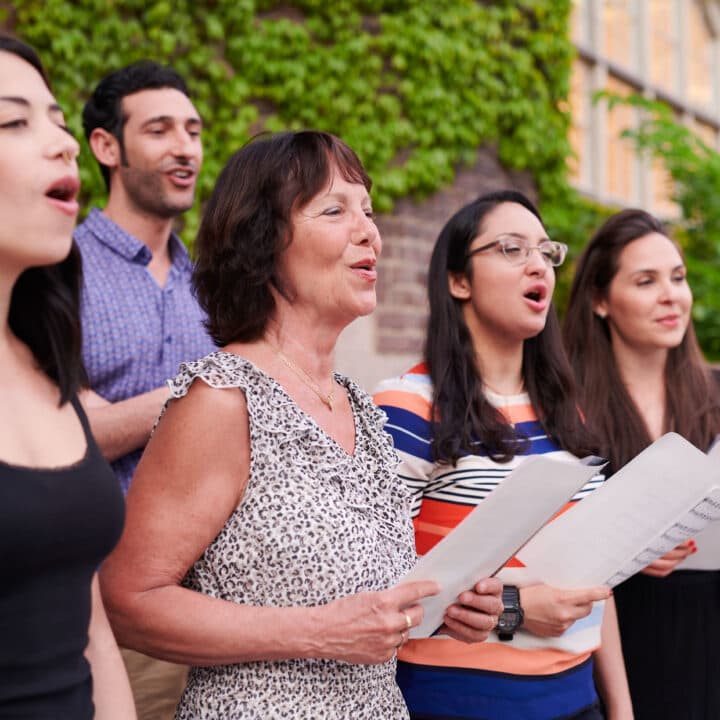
x,y
695,170
572,218
414,87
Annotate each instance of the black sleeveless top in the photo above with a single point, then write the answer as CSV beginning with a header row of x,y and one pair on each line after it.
x,y
56,526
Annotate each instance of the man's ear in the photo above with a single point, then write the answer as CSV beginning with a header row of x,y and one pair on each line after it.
x,y
459,286
105,147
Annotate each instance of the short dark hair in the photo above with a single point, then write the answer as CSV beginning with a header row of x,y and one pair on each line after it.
x,y
462,415
104,108
246,225
692,398
45,301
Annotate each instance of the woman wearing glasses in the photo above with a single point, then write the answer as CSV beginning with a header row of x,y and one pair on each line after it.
x,y
494,388
632,345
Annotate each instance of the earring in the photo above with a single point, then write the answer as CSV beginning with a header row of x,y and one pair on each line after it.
x,y
602,315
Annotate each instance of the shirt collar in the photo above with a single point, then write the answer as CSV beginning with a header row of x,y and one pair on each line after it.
x,y
128,246
179,256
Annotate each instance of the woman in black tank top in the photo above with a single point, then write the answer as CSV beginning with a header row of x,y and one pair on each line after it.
x,y
61,511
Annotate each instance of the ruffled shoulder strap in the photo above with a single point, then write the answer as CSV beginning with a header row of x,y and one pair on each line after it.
x,y
218,370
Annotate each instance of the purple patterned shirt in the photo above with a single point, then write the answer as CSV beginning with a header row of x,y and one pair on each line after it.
x,y
135,333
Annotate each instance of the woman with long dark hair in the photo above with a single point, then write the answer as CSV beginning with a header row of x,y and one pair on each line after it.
x,y
632,346
495,387
61,510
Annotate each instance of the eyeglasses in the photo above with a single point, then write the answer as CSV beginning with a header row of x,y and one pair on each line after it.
x,y
517,250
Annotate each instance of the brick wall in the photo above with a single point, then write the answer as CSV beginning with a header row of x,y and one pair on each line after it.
x,y
409,234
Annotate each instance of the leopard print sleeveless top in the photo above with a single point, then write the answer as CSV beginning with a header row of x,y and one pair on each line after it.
x,y
315,524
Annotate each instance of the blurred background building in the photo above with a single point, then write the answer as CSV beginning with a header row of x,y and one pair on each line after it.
x,y
448,94
667,50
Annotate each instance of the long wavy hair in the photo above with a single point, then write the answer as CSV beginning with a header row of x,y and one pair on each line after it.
x,y
461,414
45,301
692,401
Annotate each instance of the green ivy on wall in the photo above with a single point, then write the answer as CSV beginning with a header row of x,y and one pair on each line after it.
x,y
415,87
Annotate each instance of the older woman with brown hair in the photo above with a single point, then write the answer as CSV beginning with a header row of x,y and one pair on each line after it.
x,y
266,527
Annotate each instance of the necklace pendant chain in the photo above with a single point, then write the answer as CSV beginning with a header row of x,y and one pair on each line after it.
x,y
327,399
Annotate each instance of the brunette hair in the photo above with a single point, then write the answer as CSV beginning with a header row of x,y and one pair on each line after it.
x,y
461,414
45,301
104,108
692,398
246,225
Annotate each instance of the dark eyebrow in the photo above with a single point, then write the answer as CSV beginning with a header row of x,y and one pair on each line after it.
x,y
170,119
520,236
15,100
653,271
53,107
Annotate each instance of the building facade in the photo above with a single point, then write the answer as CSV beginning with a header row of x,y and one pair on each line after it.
x,y
664,49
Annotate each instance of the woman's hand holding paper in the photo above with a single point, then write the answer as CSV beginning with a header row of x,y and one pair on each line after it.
x,y
550,611
664,565
476,612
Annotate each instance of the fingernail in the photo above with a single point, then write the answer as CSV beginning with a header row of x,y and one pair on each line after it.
x,y
694,550
482,586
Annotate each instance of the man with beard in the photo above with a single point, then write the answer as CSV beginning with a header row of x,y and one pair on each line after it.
x,y
138,313
139,317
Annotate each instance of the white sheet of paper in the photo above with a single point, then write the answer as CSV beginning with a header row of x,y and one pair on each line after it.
x,y
492,533
707,556
642,511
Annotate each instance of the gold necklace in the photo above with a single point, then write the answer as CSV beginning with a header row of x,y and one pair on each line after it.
x,y
327,399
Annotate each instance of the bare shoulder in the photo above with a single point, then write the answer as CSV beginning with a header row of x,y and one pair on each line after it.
x,y
205,436
203,403
189,481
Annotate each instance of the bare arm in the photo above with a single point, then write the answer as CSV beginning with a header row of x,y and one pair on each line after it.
x,y
121,427
187,485
610,668
111,690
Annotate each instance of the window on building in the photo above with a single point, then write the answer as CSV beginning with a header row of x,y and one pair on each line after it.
x,y
663,34
663,49
621,180
619,24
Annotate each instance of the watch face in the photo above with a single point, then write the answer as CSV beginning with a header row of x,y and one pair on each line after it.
x,y
508,621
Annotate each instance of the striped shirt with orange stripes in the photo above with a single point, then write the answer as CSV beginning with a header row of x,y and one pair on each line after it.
x,y
530,678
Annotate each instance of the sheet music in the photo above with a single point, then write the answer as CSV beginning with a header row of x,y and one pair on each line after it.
x,y
707,556
492,533
663,496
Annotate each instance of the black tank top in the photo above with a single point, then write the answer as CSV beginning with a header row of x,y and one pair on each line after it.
x,y
56,526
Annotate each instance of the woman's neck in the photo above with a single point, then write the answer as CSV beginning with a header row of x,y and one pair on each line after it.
x,y
308,344
643,374
501,367
7,338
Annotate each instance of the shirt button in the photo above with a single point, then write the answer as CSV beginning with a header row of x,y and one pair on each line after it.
x,y
168,339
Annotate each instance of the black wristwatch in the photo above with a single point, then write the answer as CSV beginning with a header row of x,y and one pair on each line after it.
x,y
512,616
